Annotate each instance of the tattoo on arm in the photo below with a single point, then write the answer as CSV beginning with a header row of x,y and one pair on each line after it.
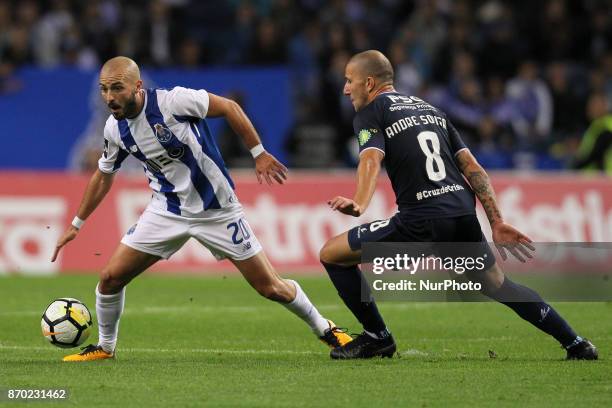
x,y
480,183
479,180
462,161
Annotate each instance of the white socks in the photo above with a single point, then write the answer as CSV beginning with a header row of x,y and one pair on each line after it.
x,y
110,307
301,307
108,311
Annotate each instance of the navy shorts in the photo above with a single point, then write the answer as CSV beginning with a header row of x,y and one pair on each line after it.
x,y
465,228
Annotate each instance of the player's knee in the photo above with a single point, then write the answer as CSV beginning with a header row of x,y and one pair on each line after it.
x,y
327,254
492,280
109,282
275,291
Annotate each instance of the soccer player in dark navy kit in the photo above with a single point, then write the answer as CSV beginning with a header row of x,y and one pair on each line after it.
x,y
435,179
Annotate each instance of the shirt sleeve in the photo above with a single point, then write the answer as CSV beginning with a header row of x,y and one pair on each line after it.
x,y
368,131
112,154
189,102
456,142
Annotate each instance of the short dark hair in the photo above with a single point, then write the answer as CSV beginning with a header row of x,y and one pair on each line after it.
x,y
374,63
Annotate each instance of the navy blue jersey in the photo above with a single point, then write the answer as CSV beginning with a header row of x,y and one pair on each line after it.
x,y
420,145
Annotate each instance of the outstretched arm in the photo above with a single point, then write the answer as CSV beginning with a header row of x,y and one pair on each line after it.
x,y
367,174
505,235
480,183
266,165
99,185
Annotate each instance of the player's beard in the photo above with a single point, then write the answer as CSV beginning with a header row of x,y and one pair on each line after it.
x,y
130,109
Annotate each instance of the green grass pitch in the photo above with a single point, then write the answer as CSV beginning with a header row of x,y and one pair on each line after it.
x,y
187,341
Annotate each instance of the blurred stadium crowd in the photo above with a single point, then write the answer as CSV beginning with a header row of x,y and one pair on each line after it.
x,y
522,80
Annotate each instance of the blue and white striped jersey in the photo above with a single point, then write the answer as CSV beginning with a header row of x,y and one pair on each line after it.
x,y
179,155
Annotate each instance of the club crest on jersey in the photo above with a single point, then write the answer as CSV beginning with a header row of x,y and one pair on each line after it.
x,y
162,133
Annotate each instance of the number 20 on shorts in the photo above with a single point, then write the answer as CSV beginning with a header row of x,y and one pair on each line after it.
x,y
240,231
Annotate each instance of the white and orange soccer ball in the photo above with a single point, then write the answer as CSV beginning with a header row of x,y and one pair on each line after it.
x,y
66,322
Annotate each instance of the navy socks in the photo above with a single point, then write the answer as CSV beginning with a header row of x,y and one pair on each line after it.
x,y
530,306
349,283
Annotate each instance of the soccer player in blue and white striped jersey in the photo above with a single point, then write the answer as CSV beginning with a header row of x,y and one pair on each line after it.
x,y
193,196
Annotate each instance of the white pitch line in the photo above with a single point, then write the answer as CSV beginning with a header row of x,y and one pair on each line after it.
x,y
413,352
218,351
228,309
162,350
21,313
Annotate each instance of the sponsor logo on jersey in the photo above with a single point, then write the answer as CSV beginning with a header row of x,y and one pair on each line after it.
x,y
402,102
162,133
405,99
363,136
156,164
176,152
